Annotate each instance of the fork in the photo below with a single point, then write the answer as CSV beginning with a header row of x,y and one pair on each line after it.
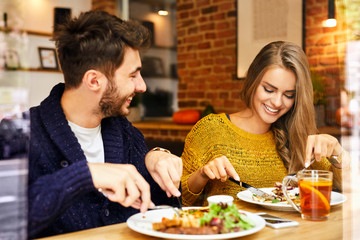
x,y
311,162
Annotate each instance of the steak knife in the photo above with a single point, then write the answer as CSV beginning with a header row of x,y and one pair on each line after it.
x,y
252,189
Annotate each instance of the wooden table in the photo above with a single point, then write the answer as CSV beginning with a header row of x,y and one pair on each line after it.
x,y
331,229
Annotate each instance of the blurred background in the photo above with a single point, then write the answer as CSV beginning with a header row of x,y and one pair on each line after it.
x,y
196,62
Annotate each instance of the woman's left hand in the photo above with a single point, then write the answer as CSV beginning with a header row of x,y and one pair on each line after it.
x,y
321,145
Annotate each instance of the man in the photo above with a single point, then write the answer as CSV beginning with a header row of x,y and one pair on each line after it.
x,y
88,165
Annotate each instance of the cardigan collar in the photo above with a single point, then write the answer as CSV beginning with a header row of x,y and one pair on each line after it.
x,y
60,132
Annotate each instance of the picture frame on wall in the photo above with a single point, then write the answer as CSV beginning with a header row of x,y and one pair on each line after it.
x,y
12,60
152,67
260,22
48,58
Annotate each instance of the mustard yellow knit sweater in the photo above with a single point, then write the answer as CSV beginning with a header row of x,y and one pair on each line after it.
x,y
253,156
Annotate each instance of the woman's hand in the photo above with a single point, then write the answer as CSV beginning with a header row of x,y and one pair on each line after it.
x,y
321,145
219,168
166,170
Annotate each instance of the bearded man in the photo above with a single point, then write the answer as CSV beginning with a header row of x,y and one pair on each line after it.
x,y
88,166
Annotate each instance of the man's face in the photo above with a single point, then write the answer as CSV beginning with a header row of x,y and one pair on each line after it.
x,y
122,87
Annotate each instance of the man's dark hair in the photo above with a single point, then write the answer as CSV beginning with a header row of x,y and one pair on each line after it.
x,y
96,40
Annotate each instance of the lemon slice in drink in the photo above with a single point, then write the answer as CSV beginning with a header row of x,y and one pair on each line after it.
x,y
308,186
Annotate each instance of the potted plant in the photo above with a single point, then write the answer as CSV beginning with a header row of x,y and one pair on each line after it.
x,y
319,98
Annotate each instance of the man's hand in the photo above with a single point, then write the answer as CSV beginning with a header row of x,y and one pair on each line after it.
x,y
122,183
166,170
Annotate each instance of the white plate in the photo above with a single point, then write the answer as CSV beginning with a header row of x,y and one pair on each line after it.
x,y
142,223
336,199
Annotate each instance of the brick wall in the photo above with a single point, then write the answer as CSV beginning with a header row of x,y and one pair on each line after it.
x,y
207,53
206,33
325,48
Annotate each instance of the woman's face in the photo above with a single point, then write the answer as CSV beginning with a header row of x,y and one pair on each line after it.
x,y
275,95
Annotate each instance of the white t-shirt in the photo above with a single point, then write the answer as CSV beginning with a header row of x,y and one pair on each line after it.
x,y
91,142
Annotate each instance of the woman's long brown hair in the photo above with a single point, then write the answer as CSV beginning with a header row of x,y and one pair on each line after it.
x,y
292,129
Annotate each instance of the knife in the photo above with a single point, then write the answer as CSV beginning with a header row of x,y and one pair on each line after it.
x,y
252,189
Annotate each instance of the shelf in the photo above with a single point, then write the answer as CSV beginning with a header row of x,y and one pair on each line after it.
x,y
30,32
32,70
38,33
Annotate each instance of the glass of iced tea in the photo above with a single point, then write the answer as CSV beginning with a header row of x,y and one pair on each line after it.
x,y
314,191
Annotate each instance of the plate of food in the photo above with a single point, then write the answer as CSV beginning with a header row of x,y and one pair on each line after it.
x,y
219,221
279,202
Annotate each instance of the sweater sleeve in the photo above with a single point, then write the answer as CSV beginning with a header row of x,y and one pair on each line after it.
x,y
188,197
53,184
51,194
194,156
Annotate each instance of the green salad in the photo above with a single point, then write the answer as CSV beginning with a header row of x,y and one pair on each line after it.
x,y
227,218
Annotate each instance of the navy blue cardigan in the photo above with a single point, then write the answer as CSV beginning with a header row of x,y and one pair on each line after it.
x,y
62,197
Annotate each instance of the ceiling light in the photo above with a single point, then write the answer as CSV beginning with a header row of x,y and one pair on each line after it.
x,y
330,21
163,12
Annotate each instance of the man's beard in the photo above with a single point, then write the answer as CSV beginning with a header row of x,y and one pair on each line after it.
x,y
111,102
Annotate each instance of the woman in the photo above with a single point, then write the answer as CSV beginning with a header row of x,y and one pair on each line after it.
x,y
272,136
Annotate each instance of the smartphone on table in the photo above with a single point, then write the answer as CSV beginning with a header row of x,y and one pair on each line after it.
x,y
277,222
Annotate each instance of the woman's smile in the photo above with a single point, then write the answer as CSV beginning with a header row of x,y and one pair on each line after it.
x,y
271,110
